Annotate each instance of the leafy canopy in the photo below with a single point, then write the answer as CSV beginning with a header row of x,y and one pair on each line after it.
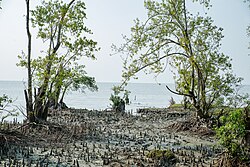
x,y
61,27
188,44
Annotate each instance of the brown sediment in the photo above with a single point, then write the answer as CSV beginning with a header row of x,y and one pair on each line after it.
x,y
79,137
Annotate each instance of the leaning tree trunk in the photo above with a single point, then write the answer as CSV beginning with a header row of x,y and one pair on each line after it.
x,y
55,89
61,101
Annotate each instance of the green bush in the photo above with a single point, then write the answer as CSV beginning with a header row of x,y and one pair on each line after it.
x,y
157,154
176,105
164,157
118,102
232,132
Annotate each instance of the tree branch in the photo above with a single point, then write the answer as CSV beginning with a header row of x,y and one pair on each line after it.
x,y
60,28
170,54
178,93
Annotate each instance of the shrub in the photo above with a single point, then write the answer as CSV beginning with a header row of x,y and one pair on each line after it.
x,y
232,133
118,102
164,157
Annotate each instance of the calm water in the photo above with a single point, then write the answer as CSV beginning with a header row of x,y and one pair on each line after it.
x,y
142,95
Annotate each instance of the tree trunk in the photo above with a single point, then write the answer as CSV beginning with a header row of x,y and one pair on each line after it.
x,y
61,101
54,100
30,113
63,94
41,103
28,95
41,106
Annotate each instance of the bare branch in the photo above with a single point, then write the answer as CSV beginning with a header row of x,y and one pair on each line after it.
x,y
178,93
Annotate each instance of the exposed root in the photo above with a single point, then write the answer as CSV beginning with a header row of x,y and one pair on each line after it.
x,y
227,161
197,126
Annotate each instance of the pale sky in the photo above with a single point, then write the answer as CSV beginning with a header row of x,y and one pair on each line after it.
x,y
109,19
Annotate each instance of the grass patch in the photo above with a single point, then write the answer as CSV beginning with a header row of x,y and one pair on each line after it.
x,y
173,106
162,154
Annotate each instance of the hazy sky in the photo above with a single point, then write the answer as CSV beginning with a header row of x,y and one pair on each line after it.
x,y
109,19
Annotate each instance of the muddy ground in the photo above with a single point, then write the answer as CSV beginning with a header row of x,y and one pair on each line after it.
x,y
79,137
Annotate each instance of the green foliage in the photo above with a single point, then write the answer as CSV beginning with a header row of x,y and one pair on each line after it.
x,y
157,154
188,44
61,27
166,157
232,132
175,106
77,79
4,99
54,16
80,81
118,102
5,110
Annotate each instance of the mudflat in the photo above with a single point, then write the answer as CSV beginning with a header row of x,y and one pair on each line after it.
x,y
80,137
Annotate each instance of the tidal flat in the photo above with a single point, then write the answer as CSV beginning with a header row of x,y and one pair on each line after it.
x,y
81,137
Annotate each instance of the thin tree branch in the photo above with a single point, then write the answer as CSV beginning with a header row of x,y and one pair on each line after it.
x,y
60,28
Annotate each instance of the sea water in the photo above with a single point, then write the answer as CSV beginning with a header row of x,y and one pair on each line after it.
x,y
142,95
